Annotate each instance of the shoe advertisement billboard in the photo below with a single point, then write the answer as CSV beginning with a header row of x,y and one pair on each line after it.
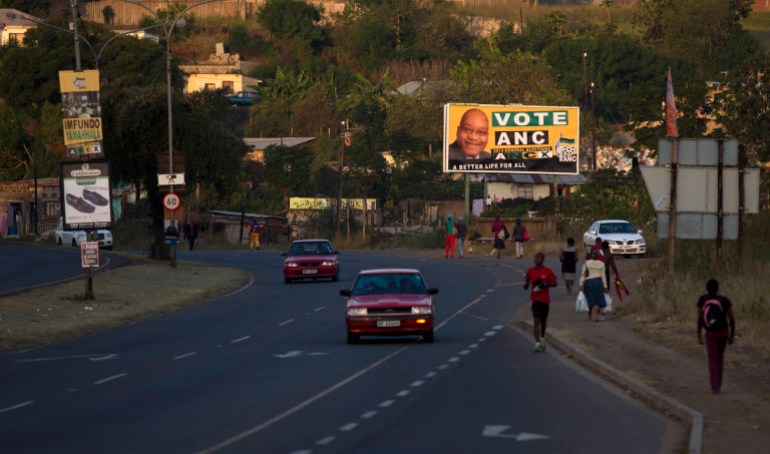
x,y
482,138
85,193
81,114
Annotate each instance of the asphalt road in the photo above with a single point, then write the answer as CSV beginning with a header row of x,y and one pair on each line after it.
x,y
268,370
25,267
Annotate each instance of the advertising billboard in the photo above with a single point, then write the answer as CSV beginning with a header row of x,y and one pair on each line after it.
x,y
85,193
511,139
81,114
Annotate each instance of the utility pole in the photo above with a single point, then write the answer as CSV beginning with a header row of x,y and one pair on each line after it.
x,y
74,28
339,182
593,126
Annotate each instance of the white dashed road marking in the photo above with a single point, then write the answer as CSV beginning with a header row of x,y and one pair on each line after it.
x,y
325,441
17,406
465,352
386,403
369,414
184,356
454,359
286,322
497,327
320,308
348,427
473,346
105,380
430,375
417,384
403,393
490,333
443,366
240,339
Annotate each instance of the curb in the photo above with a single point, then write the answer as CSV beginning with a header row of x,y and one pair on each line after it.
x,y
649,395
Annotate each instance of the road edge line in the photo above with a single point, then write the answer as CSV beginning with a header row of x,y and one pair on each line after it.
x,y
646,393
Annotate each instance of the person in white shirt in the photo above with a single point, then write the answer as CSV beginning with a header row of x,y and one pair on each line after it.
x,y
593,284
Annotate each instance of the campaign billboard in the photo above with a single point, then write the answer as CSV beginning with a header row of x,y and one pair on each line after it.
x,y
85,193
482,138
81,114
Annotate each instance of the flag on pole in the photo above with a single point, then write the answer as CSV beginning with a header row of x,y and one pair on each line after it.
x,y
672,130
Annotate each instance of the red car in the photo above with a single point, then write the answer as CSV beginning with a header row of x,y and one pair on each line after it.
x,y
389,302
311,259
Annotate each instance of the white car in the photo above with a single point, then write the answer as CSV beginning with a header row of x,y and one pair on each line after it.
x,y
76,237
623,237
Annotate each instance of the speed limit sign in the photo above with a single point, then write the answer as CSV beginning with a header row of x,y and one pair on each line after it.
x,y
171,201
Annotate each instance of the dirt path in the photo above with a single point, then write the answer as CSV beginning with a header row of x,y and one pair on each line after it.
x,y
672,362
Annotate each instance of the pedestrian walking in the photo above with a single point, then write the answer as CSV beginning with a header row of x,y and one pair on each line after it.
x,y
541,278
462,232
254,231
597,246
449,239
593,284
715,316
609,261
499,230
520,235
569,260
191,233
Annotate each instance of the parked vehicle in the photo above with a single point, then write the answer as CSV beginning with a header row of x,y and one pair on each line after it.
x,y
388,302
623,237
311,259
243,98
76,237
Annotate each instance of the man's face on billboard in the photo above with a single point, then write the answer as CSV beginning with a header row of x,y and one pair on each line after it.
x,y
473,132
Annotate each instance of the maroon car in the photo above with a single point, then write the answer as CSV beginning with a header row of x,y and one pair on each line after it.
x,y
389,302
311,259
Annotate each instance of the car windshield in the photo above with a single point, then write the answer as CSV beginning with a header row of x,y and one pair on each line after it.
x,y
405,283
311,248
617,227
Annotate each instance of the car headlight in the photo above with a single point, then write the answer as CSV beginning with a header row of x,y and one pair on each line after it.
x,y
422,310
357,311
327,263
291,265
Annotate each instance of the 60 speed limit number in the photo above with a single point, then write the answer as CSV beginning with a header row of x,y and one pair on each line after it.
x,y
172,201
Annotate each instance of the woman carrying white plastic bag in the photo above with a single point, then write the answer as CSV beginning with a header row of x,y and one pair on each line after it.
x,y
581,304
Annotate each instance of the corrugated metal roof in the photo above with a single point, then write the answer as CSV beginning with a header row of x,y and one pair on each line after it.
x,y
18,19
536,178
260,143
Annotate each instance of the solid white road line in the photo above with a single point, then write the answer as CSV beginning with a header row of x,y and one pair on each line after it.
x,y
387,403
184,356
17,406
369,414
286,322
349,426
105,380
240,339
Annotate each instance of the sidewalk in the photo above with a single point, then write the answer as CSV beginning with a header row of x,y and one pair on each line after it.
x,y
735,421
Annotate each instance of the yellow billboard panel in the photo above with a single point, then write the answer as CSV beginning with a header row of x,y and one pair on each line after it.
x,y
511,139
81,113
320,203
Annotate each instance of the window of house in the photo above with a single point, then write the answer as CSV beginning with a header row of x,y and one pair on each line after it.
x,y
18,37
211,87
524,192
228,86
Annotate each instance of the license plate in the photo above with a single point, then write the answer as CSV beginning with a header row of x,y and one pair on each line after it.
x,y
309,271
388,323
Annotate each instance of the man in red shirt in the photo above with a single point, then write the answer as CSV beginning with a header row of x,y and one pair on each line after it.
x,y
541,278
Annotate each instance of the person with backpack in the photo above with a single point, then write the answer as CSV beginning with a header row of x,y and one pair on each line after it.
x,y
501,233
715,316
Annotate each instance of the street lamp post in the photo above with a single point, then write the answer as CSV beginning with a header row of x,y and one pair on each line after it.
x,y
168,29
339,181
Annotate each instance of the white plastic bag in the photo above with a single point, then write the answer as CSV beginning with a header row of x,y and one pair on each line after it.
x,y
581,304
608,301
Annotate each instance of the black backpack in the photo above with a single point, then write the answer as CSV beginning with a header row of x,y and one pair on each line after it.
x,y
713,315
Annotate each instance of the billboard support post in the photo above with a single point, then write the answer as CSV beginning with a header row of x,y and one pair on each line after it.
x,y
741,197
466,211
720,198
672,208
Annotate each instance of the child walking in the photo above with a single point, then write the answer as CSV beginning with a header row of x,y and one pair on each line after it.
x,y
541,278
569,260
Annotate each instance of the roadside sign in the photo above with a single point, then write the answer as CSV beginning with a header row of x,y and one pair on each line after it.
x,y
171,201
171,179
89,254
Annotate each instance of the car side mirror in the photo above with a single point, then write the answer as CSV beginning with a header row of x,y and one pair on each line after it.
x,y
639,232
592,232
432,291
346,293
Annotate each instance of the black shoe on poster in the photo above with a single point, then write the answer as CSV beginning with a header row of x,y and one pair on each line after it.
x,y
95,198
79,204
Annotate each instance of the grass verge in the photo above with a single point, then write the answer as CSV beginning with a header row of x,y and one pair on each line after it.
x,y
56,313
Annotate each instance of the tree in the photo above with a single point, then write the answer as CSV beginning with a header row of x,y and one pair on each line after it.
x,y
34,7
13,144
294,20
507,79
288,170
